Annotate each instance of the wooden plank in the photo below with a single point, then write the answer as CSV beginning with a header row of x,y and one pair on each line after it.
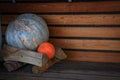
x,y
101,19
81,77
62,71
87,68
33,57
87,44
106,32
74,67
11,77
111,57
95,32
58,76
20,55
103,6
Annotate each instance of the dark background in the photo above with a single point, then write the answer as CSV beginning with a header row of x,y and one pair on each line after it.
x,y
25,1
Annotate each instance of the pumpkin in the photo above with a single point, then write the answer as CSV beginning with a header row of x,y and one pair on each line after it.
x,y
27,32
47,48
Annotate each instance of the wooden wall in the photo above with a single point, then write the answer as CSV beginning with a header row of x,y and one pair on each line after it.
x,y
87,31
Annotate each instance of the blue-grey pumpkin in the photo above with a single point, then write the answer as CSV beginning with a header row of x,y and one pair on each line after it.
x,y
27,32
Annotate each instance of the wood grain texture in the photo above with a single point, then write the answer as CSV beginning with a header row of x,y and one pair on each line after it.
x,y
85,32
93,56
33,58
60,76
87,44
14,54
94,32
103,6
101,19
68,70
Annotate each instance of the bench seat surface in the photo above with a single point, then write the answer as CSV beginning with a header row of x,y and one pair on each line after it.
x,y
67,70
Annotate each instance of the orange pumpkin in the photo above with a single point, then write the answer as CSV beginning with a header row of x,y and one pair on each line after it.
x,y
47,48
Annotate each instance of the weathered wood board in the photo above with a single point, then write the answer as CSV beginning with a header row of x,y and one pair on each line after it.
x,y
101,6
25,56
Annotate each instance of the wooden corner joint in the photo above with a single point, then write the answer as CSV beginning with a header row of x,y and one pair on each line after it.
x,y
59,55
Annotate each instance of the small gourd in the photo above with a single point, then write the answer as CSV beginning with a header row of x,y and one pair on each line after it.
x,y
47,48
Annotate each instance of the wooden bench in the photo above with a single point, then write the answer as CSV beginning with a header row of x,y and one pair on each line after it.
x,y
88,32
